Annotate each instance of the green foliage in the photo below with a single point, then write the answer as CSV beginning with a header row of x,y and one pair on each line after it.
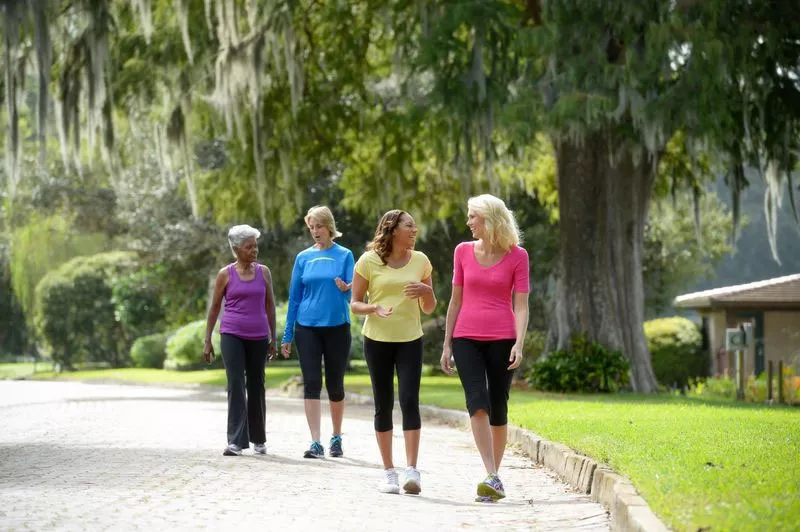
x,y
535,341
75,314
185,348
42,245
676,347
150,351
584,366
137,304
677,252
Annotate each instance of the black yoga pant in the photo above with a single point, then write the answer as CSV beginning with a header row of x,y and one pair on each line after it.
x,y
315,344
244,367
483,369
382,359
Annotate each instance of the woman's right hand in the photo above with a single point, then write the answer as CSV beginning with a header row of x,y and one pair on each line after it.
x,y
286,350
383,312
446,362
208,351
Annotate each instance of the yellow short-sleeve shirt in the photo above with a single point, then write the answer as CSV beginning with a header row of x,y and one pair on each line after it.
x,y
385,288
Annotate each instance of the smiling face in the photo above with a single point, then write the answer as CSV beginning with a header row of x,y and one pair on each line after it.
x,y
319,232
247,252
476,224
405,234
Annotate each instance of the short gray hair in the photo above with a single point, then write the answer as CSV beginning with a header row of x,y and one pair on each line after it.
x,y
239,233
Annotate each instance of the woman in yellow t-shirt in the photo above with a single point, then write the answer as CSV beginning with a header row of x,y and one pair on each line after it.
x,y
398,282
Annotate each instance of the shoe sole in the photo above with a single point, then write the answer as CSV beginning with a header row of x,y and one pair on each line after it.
x,y
412,487
228,452
485,499
392,491
335,455
484,490
312,455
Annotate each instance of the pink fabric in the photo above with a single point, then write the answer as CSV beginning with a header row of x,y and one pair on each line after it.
x,y
487,308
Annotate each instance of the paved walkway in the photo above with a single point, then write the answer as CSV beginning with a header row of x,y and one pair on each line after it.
x,y
77,456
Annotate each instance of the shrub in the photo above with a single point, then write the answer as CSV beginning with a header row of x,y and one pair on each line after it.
x,y
74,311
185,348
583,367
150,351
676,346
532,350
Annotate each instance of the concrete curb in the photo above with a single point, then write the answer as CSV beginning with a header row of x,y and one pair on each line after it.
x,y
629,511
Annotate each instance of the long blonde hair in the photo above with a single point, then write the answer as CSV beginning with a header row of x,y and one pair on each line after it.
x,y
501,226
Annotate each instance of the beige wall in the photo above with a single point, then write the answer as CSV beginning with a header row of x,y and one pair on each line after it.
x,y
782,337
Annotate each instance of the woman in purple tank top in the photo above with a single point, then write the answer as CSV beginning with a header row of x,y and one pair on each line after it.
x,y
247,330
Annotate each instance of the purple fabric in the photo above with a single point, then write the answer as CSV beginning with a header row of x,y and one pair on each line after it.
x,y
245,313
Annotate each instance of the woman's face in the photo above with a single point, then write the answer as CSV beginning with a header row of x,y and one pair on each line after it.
x,y
319,232
476,224
405,234
248,251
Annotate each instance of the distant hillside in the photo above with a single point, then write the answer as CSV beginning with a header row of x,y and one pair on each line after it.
x,y
752,260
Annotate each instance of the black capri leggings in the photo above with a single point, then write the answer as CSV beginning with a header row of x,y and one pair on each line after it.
x,y
483,369
382,358
315,344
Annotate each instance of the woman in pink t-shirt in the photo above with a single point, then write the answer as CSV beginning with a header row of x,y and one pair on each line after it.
x,y
486,323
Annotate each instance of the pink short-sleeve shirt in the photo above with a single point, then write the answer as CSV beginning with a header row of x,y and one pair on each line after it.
x,y
487,308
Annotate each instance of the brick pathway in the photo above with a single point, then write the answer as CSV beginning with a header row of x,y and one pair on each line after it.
x,y
77,456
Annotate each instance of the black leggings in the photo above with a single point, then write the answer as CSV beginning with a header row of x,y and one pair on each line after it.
x,y
382,358
244,367
315,344
483,369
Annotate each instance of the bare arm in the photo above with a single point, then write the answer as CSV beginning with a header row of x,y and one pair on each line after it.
x,y
453,309
357,304
213,312
521,323
427,302
269,302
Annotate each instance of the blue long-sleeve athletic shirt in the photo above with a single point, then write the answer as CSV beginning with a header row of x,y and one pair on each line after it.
x,y
314,298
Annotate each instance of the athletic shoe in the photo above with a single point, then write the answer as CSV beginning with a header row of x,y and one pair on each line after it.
x,y
315,451
413,483
335,448
389,483
492,487
232,450
260,448
481,498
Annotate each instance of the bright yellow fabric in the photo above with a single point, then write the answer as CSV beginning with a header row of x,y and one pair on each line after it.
x,y
385,288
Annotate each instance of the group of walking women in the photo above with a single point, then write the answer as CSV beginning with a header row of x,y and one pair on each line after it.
x,y
390,285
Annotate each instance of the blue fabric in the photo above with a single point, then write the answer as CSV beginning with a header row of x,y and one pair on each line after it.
x,y
314,298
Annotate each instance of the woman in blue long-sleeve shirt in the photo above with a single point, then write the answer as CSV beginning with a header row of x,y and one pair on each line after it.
x,y
319,321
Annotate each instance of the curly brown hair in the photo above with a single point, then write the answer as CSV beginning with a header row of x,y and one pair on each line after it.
x,y
382,242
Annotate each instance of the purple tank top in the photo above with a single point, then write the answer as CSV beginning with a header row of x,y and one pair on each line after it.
x,y
245,313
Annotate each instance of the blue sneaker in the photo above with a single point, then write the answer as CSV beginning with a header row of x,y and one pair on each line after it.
x,y
335,448
315,451
492,488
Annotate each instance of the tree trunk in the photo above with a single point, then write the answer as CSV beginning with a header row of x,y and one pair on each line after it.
x,y
604,193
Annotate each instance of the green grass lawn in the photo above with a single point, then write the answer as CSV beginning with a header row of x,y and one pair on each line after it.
x,y
16,371
699,463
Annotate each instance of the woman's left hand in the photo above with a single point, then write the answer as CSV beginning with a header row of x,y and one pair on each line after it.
x,y
273,351
341,285
515,358
416,290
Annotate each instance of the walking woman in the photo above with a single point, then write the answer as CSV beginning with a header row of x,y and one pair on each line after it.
x,y
319,322
486,322
398,282
247,338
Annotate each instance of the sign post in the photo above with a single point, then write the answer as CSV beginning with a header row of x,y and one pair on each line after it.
x,y
736,340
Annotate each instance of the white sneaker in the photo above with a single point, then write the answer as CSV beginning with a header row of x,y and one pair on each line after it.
x,y
413,483
260,448
232,450
389,484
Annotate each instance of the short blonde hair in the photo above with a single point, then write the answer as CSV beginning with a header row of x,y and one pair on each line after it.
x,y
501,226
323,215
